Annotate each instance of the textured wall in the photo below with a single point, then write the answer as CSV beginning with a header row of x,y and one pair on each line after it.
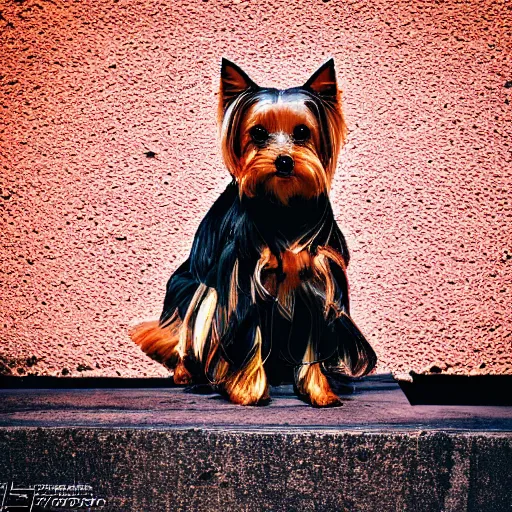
x,y
92,227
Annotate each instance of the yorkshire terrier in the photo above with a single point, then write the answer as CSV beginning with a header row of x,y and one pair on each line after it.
x,y
263,297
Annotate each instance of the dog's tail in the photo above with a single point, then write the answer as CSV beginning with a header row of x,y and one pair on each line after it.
x,y
158,341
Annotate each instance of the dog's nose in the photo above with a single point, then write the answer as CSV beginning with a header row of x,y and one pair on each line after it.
x,y
284,165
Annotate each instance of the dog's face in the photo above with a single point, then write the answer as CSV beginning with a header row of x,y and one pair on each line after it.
x,y
281,143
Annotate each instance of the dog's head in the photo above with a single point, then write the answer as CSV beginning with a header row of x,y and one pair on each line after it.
x,y
281,143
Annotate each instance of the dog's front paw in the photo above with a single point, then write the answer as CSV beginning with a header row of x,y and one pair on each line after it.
x,y
311,385
248,387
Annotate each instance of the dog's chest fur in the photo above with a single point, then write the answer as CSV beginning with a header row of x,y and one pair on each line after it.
x,y
284,272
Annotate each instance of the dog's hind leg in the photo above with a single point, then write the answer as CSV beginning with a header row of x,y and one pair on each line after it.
x,y
249,385
303,349
311,384
194,335
240,346
354,353
164,339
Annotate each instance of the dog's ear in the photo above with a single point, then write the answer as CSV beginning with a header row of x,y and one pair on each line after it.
x,y
233,81
323,81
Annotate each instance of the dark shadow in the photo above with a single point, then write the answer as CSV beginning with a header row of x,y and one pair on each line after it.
x,y
47,382
439,389
341,384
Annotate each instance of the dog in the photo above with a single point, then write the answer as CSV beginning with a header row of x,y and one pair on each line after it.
x,y
263,297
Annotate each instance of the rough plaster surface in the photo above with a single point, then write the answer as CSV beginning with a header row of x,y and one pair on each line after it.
x,y
92,227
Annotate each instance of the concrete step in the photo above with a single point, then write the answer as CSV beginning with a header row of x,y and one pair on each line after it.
x,y
168,450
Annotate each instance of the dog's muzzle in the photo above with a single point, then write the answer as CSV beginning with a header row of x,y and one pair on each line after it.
x,y
284,166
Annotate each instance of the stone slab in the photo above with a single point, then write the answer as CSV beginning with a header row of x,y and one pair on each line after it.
x,y
169,450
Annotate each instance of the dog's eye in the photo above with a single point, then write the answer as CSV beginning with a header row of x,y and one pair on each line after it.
x,y
258,134
301,133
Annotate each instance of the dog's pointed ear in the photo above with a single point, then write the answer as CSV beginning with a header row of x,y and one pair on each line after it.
x,y
323,81
233,81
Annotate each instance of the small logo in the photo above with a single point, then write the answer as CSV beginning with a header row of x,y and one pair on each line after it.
x,y
48,497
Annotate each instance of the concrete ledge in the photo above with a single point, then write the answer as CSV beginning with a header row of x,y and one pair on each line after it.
x,y
165,450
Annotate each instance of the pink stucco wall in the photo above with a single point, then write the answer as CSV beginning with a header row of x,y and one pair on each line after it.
x,y
92,228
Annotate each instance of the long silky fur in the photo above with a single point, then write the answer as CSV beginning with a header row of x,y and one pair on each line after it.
x,y
263,297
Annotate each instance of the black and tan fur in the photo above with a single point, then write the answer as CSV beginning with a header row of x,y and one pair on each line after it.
x,y
263,297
